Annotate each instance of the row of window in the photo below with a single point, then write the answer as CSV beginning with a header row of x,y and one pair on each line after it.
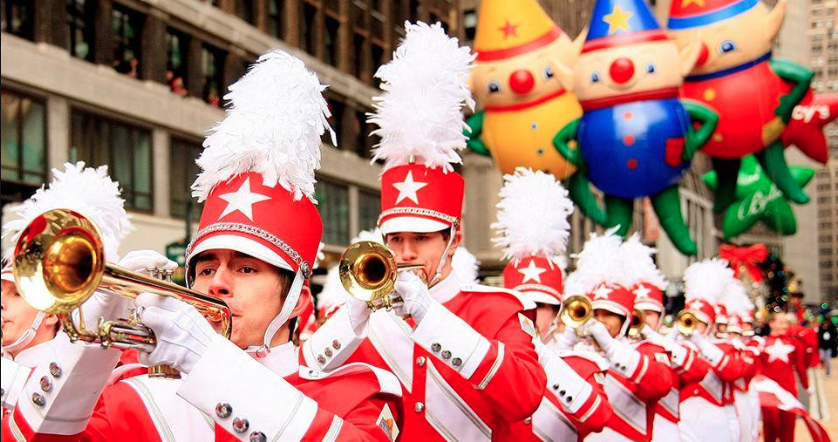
x,y
127,150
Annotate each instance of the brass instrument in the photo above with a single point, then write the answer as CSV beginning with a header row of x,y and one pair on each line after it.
x,y
59,263
368,271
576,311
686,322
638,321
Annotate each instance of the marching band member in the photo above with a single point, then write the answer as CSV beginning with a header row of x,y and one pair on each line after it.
x,y
707,410
465,357
686,366
533,228
639,375
258,166
738,304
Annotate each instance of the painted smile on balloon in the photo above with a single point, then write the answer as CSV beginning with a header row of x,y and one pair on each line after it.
x,y
527,104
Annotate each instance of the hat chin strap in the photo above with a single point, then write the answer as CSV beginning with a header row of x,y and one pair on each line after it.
x,y
27,336
280,320
438,274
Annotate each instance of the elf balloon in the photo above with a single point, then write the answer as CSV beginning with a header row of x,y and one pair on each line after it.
x,y
636,138
736,76
520,51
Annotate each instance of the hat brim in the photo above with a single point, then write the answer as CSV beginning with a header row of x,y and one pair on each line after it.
x,y
240,244
540,297
653,306
610,306
412,224
8,276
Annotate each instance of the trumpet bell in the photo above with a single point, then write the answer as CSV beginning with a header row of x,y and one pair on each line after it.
x,y
368,271
576,311
686,322
638,322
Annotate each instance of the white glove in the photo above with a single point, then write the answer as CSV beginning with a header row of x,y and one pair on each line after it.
x,y
678,352
621,356
144,261
359,315
568,339
415,296
709,351
183,335
811,390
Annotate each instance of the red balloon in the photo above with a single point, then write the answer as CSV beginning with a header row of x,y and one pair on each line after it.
x,y
805,130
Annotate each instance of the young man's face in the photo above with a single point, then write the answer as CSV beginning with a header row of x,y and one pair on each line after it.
x,y
545,315
18,316
612,321
779,324
700,327
253,289
425,249
652,318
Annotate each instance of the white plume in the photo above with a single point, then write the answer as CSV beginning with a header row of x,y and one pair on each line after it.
x,y
419,115
532,215
273,126
600,261
707,280
333,293
466,266
369,235
88,191
736,299
640,265
320,255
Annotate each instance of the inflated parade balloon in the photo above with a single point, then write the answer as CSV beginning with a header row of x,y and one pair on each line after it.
x,y
753,93
520,56
805,130
636,137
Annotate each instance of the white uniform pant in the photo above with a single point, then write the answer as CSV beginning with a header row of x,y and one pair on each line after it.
x,y
733,422
665,430
747,418
702,421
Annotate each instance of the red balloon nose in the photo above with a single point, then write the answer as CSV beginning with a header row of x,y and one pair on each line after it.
x,y
521,81
621,71
703,55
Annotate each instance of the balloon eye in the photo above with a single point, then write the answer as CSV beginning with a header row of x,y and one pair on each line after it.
x,y
727,46
494,86
595,77
548,73
651,69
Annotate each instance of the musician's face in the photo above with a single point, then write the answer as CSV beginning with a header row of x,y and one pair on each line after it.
x,y
253,289
18,316
425,249
652,318
545,316
612,321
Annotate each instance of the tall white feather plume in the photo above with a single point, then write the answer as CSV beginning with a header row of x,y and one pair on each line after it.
x,y
600,261
333,293
419,115
466,266
736,299
273,126
532,215
707,280
88,191
639,263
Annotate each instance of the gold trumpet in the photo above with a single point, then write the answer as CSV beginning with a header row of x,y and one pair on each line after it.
x,y
686,322
638,321
59,263
576,311
368,271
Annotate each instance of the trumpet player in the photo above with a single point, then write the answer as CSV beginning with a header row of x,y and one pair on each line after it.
x,y
738,305
686,366
574,403
707,406
249,387
639,374
464,354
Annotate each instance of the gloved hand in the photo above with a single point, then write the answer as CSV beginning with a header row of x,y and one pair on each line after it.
x,y
359,315
144,261
416,299
183,335
568,339
621,355
709,351
678,352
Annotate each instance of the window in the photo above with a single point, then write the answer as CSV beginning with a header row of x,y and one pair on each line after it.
x,y
470,23
336,108
212,72
309,38
182,172
17,18
361,131
127,27
24,139
377,57
124,148
80,28
276,25
333,199
244,10
177,47
331,36
358,41
369,207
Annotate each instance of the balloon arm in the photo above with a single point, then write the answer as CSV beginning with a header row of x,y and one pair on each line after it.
x,y
708,119
475,123
561,140
800,76
580,193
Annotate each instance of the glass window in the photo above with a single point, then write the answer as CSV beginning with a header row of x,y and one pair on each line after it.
x,y
24,138
80,28
124,148
332,32
358,41
309,39
127,28
333,203
17,17
336,108
369,208
182,172
363,143
212,70
177,47
245,10
377,58
276,26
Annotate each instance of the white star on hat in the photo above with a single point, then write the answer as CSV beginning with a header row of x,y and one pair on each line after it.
x,y
779,350
408,188
696,305
602,292
242,200
642,292
532,273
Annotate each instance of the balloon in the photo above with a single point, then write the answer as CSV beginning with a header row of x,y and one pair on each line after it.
x,y
805,130
759,199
